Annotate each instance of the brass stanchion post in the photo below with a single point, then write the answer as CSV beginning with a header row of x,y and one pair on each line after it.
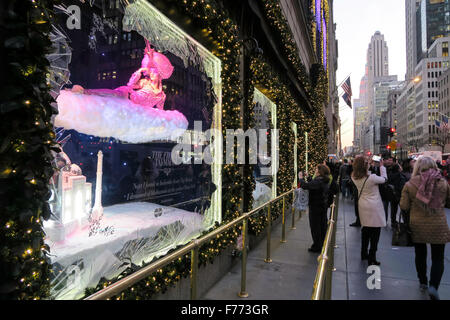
x,y
243,293
269,226
194,271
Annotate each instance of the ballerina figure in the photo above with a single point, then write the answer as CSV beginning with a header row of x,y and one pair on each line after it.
x,y
145,84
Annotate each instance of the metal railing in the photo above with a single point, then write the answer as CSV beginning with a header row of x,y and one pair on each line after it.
x,y
193,248
324,275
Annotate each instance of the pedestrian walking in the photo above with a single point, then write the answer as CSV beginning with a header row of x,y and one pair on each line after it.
x,y
344,179
425,195
357,222
370,206
396,180
318,204
407,168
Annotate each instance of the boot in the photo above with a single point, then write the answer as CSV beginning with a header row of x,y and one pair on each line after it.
x,y
372,259
364,255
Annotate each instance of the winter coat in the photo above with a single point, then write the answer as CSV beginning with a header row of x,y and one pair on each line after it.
x,y
318,192
426,227
397,180
370,206
344,172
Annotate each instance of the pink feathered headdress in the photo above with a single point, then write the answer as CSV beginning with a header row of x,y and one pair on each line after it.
x,y
160,62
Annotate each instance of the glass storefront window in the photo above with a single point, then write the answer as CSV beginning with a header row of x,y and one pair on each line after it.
x,y
265,170
118,198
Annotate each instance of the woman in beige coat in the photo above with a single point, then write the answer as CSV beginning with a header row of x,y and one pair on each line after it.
x,y
370,206
425,195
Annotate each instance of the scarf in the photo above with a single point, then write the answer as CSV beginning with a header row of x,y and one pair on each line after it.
x,y
426,192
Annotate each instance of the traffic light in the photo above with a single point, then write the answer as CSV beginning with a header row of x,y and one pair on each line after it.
x,y
388,147
391,132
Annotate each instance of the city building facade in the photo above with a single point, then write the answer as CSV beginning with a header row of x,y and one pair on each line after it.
x,y
432,23
429,70
377,67
411,37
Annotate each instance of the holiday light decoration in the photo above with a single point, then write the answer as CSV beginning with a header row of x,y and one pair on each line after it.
x,y
319,29
30,270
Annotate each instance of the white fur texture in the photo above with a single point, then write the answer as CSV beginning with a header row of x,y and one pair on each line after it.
x,y
109,116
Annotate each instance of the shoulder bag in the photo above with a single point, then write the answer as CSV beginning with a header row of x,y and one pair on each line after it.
x,y
359,196
401,234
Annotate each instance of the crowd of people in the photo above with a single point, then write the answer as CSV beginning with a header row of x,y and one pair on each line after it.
x,y
415,192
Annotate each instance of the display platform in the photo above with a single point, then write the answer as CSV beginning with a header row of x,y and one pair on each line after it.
x,y
128,235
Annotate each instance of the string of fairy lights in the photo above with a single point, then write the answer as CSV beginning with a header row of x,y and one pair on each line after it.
x,y
25,152
25,157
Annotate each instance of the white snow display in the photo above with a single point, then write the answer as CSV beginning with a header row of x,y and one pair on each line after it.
x,y
108,116
142,231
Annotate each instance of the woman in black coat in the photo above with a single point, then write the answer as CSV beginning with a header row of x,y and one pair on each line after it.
x,y
318,195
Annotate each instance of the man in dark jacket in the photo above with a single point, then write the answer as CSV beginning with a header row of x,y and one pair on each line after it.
x,y
397,180
344,179
318,196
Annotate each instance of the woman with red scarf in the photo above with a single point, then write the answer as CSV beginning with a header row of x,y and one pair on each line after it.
x,y
425,195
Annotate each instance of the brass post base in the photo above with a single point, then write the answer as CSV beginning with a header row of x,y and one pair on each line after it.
x,y
268,260
243,294
293,228
283,241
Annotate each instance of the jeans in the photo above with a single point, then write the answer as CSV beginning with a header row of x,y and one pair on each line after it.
x,y
386,208
394,209
437,263
355,202
370,235
345,188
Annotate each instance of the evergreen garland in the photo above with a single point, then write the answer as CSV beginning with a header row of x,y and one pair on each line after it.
x,y
27,139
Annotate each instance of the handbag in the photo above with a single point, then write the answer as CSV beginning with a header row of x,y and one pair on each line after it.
x,y
401,235
301,199
359,196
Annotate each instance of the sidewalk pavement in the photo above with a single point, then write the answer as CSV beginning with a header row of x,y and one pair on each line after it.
x,y
398,272
290,275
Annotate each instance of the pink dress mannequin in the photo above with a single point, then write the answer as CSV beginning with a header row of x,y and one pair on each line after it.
x,y
145,86
132,113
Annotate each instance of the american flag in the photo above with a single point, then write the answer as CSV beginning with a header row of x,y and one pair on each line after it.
x,y
438,123
347,99
444,122
347,87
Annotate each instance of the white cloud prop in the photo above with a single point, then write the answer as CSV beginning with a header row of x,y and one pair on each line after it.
x,y
109,116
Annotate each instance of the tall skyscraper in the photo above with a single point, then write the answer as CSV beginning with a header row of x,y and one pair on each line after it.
x,y
377,56
377,67
411,37
432,22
